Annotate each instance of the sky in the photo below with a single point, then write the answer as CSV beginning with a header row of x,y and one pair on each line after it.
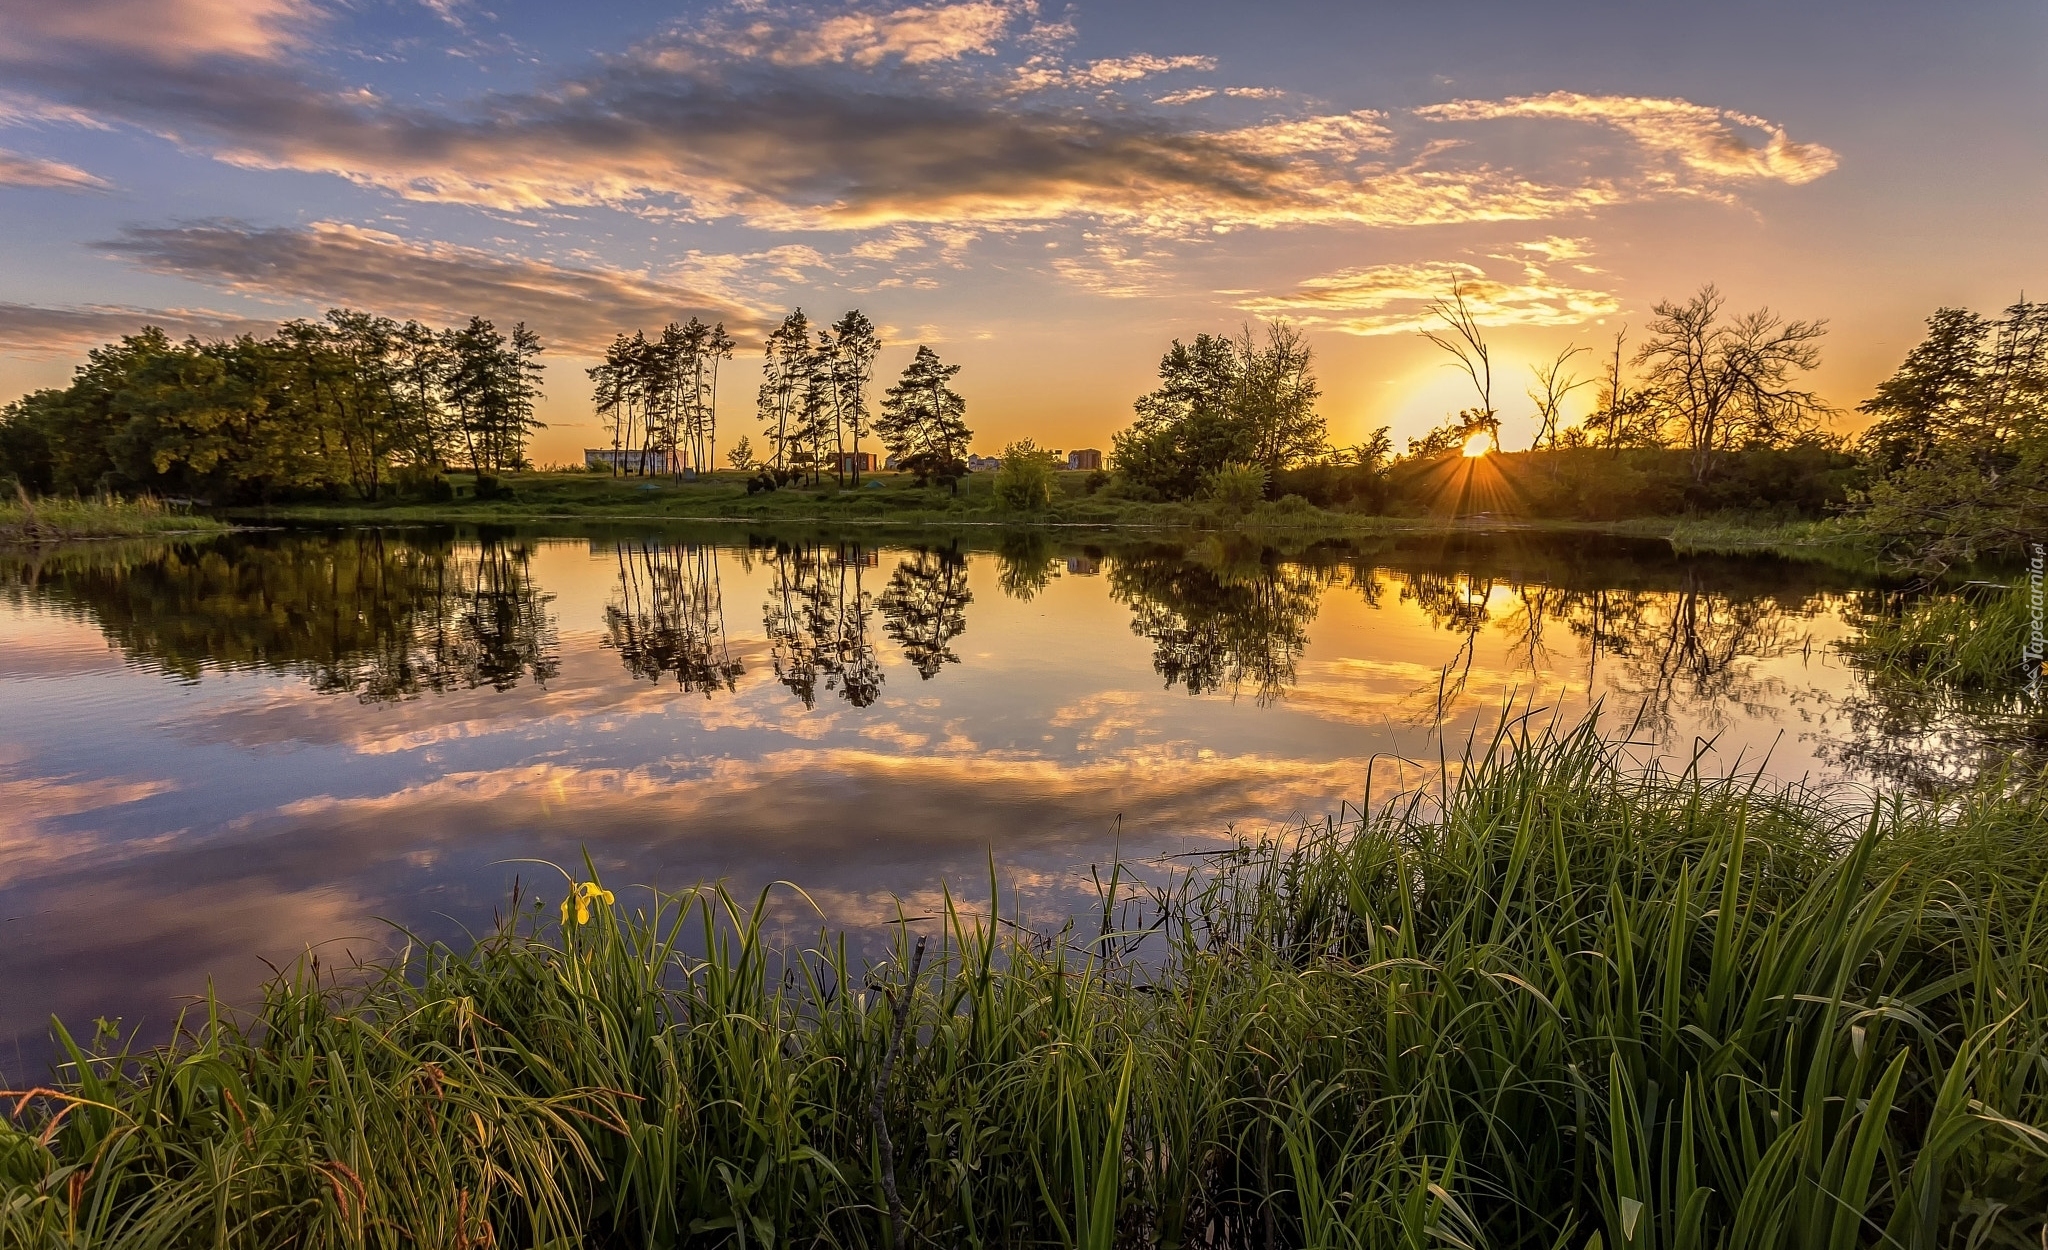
x,y
1047,194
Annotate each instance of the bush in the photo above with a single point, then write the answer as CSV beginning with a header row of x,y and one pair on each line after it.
x,y
1236,487
1024,483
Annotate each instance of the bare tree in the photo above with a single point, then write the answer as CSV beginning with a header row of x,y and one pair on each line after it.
x,y
1725,385
1461,338
1555,385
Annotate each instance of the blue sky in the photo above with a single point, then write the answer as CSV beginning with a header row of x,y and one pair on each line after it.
x,y
1046,193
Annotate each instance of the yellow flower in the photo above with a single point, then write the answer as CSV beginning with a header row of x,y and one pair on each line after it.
x,y
581,897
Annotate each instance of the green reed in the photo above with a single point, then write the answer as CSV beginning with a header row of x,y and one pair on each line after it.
x,y
1555,1000
1973,639
23,519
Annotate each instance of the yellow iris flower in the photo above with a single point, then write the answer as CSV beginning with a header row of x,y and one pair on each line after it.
x,y
581,897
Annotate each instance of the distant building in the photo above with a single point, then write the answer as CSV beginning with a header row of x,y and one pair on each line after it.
x,y
1087,458
630,460
1084,565
857,462
983,464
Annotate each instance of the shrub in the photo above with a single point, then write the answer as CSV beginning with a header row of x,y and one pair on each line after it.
x,y
1024,483
1236,487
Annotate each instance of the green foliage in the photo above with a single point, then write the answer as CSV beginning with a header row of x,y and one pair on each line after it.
x,y
922,415
1959,449
1223,401
1974,639
321,408
1554,1002
54,520
1235,487
1024,483
659,397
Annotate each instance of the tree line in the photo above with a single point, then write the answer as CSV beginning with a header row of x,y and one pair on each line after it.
x,y
658,398
343,404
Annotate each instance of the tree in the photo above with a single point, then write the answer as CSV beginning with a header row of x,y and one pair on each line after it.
x,y
1959,450
1460,337
1936,393
1222,401
1025,482
1723,385
741,456
786,368
1450,437
1275,399
493,385
1620,417
854,346
1553,386
923,417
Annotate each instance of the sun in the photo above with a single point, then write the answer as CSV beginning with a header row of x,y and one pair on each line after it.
x,y
1477,445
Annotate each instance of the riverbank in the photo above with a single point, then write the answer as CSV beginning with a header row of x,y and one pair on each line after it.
x,y
25,521
1561,1000
894,500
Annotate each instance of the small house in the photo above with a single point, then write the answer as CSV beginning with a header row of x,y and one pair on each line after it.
x,y
1087,459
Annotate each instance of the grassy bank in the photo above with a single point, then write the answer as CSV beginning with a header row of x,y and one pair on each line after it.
x,y
1562,1003
895,500
23,520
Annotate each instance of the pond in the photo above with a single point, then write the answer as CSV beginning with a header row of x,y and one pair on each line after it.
x,y
217,754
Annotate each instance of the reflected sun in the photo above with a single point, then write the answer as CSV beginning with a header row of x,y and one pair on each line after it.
x,y
1476,445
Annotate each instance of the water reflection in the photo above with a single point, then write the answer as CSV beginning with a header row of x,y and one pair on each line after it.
x,y
1220,627
925,606
373,725
817,619
668,616
1930,735
374,615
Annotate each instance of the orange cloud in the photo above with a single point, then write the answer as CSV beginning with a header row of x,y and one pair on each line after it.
x,y
1704,140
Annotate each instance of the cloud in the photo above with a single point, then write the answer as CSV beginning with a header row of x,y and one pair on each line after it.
x,y
1046,73
863,119
38,331
1704,140
915,35
18,170
168,31
580,309
1395,299
1107,268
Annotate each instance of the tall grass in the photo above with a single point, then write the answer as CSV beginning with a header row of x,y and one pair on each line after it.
x,y
56,519
1972,639
1557,1001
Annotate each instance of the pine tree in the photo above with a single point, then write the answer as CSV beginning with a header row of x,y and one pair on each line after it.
x,y
923,420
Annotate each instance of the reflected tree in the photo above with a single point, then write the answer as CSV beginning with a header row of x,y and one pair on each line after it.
x,y
1025,563
1223,627
817,617
668,616
925,607
360,613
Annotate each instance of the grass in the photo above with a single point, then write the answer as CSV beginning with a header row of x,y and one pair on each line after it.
x,y
1971,639
23,520
898,501
1557,1001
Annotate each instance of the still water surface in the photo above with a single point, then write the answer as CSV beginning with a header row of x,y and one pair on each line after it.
x,y
218,753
